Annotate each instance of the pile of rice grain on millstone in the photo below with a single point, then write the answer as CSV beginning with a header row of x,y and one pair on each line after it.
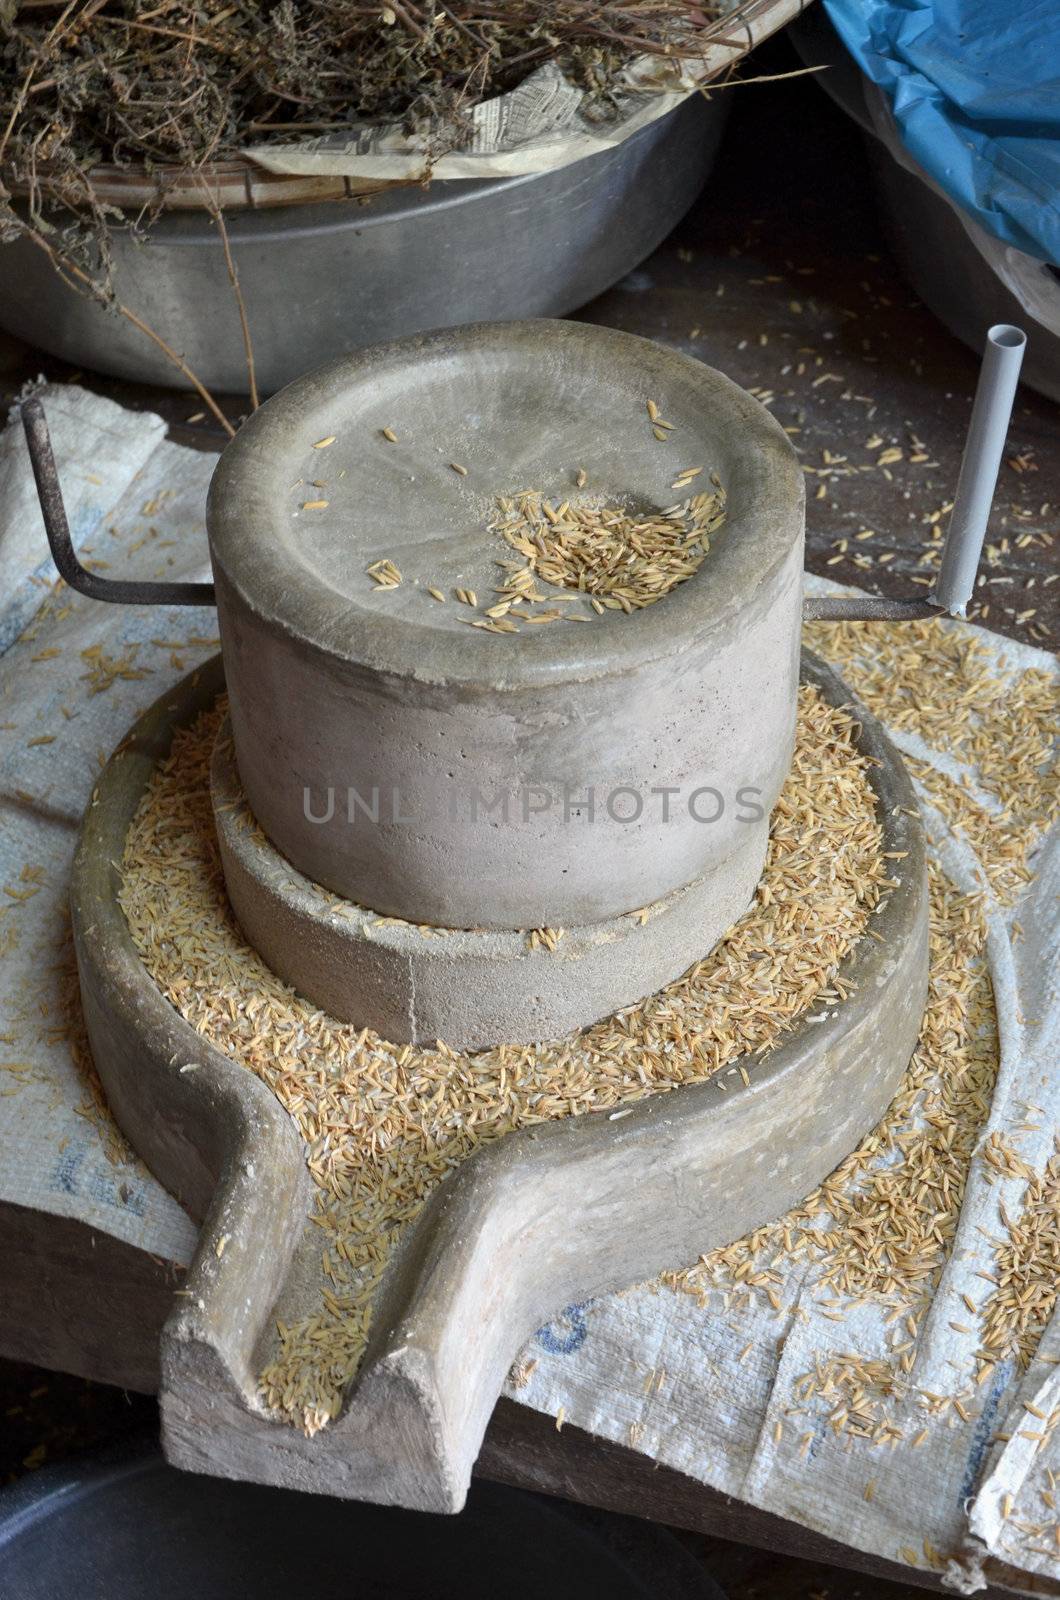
x,y
384,1123
621,560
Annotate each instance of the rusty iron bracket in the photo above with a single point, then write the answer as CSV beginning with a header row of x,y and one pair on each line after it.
x,y
56,526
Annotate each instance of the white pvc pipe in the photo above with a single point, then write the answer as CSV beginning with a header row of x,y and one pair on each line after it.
x,y
980,464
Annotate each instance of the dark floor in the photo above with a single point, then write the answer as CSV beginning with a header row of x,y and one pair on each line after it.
x,y
50,1417
781,264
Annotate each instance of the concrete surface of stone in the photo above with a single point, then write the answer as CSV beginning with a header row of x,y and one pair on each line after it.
x,y
474,987
551,1214
449,738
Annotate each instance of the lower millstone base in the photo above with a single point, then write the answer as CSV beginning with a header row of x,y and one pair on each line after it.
x,y
474,988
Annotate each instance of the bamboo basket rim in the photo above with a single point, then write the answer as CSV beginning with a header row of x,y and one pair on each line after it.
x,y
237,184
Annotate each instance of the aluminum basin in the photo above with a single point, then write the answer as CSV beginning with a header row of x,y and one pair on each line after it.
x,y
322,280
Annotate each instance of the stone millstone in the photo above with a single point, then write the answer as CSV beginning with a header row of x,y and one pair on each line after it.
x,y
339,685
472,988
548,1215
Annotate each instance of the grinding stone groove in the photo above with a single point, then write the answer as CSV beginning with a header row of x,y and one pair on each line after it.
x,y
548,1215
472,988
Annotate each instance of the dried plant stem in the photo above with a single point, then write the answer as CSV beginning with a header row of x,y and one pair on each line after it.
x,y
20,99
410,22
707,89
63,264
16,109
179,362
233,278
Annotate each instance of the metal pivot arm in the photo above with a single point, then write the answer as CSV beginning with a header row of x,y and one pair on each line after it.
x,y
865,608
980,464
49,492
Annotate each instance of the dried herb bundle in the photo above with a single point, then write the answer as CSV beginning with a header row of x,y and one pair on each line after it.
x,y
148,82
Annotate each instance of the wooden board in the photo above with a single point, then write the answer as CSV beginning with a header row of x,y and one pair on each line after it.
x,y
79,1301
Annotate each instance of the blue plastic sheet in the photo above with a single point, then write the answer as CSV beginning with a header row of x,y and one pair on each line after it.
x,y
974,86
